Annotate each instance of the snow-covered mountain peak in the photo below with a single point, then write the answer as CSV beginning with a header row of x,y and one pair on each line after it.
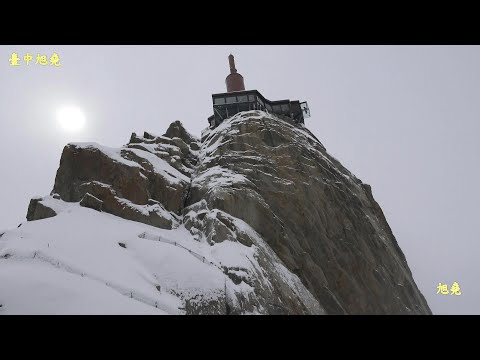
x,y
254,218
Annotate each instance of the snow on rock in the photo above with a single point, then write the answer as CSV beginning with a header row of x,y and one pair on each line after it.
x,y
112,153
219,176
134,182
160,166
147,210
85,262
257,218
77,255
311,215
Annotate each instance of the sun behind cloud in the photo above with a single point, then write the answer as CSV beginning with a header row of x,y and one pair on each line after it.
x,y
71,118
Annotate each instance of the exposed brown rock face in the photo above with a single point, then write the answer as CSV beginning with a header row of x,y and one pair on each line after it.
x,y
319,218
38,211
312,215
144,181
91,202
176,130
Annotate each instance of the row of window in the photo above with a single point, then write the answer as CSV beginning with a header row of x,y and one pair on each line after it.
x,y
282,108
230,110
234,99
225,111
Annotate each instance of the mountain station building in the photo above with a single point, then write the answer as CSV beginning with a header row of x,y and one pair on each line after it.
x,y
237,99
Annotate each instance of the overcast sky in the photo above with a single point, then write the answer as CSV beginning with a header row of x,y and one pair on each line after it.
x,y
405,119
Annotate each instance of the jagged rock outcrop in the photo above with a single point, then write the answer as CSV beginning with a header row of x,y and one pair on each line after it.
x,y
37,210
309,238
145,181
176,130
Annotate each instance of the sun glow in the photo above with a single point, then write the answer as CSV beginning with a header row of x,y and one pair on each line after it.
x,y
71,118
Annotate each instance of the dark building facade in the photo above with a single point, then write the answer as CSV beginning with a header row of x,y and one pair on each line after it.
x,y
237,99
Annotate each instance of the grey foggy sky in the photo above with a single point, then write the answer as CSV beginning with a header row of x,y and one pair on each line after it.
x,y
404,119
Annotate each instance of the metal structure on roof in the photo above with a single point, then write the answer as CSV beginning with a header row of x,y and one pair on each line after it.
x,y
237,99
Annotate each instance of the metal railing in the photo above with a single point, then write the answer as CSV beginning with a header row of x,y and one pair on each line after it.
x,y
40,256
200,257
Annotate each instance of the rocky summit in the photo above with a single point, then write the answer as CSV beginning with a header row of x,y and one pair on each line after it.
x,y
253,218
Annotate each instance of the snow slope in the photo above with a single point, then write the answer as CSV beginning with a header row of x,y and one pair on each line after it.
x,y
73,264
86,262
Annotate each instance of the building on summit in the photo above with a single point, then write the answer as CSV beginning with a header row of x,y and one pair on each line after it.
x,y
237,99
